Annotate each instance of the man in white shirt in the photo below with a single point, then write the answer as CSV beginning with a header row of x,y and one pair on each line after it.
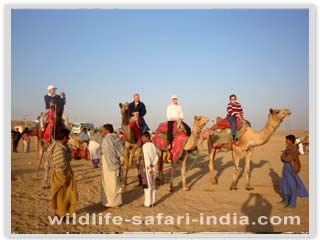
x,y
149,163
175,114
300,146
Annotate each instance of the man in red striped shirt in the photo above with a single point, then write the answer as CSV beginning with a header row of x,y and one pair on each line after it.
x,y
234,111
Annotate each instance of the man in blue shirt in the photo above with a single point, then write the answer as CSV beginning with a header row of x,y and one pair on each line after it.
x,y
84,136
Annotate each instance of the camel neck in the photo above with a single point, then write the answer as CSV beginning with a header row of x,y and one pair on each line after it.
x,y
196,131
268,129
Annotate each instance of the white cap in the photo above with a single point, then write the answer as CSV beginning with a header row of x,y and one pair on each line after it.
x,y
174,97
51,87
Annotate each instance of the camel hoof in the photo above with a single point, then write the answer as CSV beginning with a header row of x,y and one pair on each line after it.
x,y
233,188
186,188
249,188
170,188
214,182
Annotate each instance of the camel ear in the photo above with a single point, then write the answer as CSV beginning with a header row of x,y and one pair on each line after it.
x,y
120,105
196,117
271,110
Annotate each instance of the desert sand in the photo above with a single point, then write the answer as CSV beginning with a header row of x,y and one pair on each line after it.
x,y
30,203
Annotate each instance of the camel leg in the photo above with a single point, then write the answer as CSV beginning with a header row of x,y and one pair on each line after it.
x,y
236,154
183,171
131,156
160,167
138,150
127,165
40,159
248,170
36,141
211,165
46,173
171,177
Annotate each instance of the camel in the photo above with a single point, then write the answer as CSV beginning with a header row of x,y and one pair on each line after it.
x,y
199,123
247,142
131,148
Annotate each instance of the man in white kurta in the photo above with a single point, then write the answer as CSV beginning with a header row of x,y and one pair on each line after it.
x,y
112,149
150,157
95,148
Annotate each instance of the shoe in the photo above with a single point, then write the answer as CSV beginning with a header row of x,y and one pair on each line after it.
x,y
289,206
143,206
169,146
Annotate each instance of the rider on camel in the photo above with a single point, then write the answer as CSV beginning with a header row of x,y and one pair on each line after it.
x,y
235,111
137,111
59,101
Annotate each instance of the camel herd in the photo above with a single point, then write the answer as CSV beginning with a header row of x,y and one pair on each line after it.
x,y
247,142
249,139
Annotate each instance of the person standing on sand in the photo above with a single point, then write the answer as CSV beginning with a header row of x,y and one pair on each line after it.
x,y
95,147
112,149
64,194
291,185
16,135
148,169
26,140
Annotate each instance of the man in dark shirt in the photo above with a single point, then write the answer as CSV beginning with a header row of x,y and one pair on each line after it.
x,y
137,110
59,101
16,135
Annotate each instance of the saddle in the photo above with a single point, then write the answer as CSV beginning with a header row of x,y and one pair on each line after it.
x,y
136,120
222,137
177,127
223,123
179,140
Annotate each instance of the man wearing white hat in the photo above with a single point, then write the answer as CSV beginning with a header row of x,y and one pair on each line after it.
x,y
58,100
175,114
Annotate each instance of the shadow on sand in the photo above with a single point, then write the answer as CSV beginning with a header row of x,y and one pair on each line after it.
x,y
255,207
275,180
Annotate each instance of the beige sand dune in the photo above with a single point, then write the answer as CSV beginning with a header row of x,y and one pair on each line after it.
x,y
30,204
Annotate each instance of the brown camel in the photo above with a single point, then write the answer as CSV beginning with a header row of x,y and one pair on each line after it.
x,y
247,142
199,123
131,148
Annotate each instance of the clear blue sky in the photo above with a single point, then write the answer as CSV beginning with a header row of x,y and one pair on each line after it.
x,y
101,57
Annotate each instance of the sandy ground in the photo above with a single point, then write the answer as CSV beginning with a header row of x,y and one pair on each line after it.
x,y
30,203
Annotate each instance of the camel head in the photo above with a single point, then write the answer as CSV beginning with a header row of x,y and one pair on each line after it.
x,y
124,112
279,114
200,121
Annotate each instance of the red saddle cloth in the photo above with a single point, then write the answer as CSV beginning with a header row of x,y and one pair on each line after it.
x,y
224,123
163,128
48,129
179,140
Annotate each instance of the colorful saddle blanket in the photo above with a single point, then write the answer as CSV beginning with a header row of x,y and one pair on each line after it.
x,y
179,140
223,123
